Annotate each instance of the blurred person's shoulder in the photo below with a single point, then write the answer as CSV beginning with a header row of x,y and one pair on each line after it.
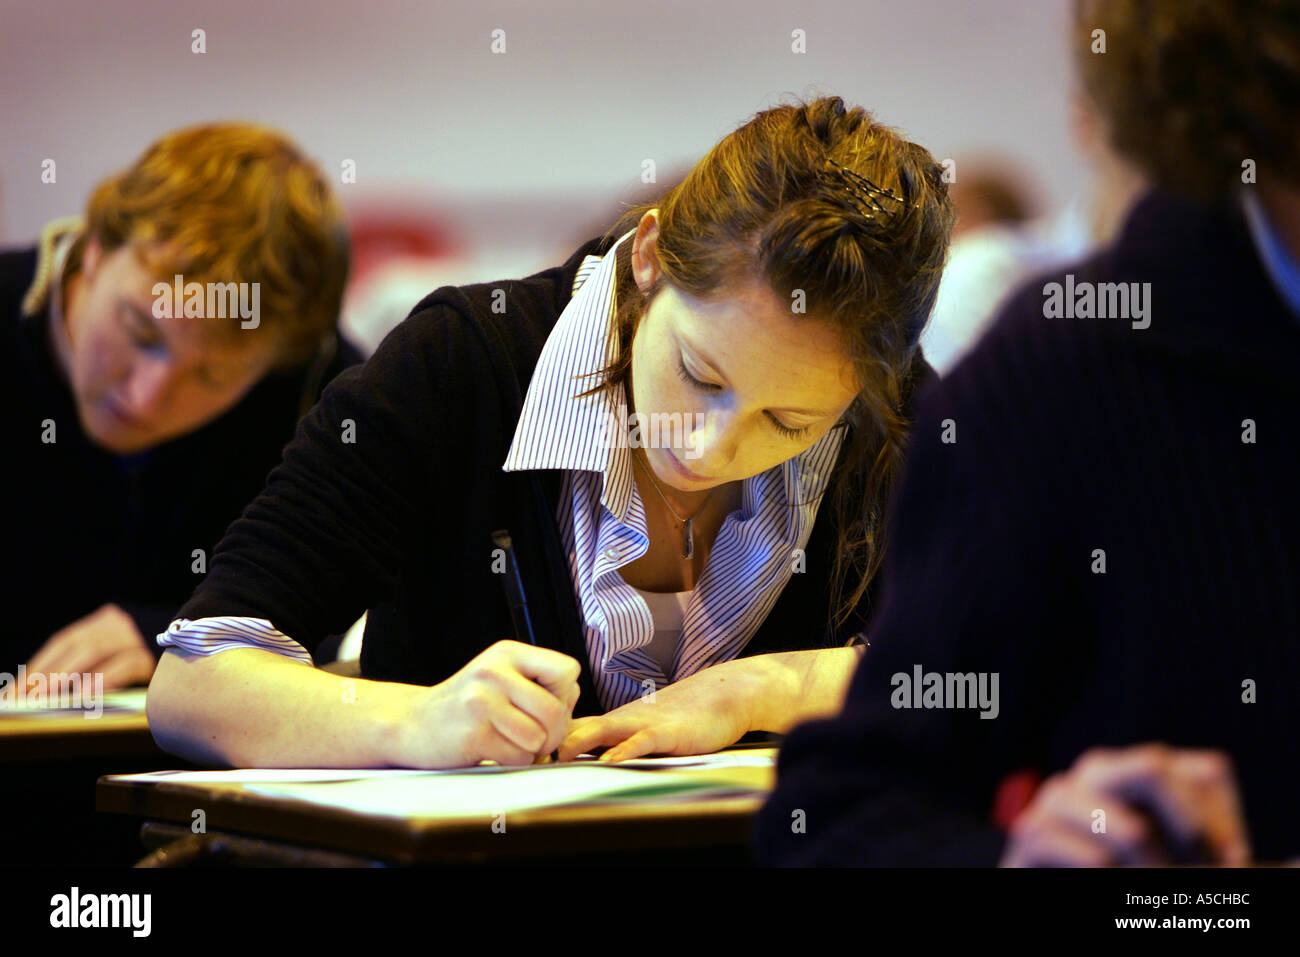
x,y
987,264
1181,291
23,335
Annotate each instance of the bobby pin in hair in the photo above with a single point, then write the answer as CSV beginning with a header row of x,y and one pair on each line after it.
x,y
867,192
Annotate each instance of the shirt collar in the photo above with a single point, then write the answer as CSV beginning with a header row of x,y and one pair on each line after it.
x,y
1281,268
61,250
56,330
559,428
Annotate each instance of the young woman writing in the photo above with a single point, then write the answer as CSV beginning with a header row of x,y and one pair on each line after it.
x,y
681,594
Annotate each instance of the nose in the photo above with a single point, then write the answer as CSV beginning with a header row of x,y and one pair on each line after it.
x,y
712,445
147,387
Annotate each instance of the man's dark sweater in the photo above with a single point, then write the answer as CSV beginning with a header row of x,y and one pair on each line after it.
x,y
85,527
1074,438
390,492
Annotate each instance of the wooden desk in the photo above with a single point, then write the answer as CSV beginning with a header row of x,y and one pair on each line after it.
x,y
27,737
270,830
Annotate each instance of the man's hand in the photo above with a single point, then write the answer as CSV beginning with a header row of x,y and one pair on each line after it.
x,y
697,715
1161,806
104,641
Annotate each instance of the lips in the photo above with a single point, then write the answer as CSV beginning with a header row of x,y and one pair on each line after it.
x,y
121,417
682,470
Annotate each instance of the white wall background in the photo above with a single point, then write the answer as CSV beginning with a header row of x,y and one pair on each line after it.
x,y
543,140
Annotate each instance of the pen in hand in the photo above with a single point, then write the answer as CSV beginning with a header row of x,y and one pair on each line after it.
x,y
515,598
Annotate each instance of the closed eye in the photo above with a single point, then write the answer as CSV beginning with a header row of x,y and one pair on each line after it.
x,y
786,430
142,334
684,374
689,379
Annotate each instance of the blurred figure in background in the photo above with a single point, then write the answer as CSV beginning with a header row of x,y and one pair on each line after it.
x,y
144,421
994,194
998,246
399,253
1094,581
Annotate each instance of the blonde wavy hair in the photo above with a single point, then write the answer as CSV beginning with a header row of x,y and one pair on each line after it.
x,y
233,202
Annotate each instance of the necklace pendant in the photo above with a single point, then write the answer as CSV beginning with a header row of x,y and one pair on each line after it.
x,y
688,548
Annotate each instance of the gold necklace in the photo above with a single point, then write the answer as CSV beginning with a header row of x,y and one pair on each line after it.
x,y
688,545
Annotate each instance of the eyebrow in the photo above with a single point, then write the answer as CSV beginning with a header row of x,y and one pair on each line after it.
x,y
681,341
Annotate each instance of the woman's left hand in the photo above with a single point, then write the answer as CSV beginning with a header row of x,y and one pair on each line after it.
x,y
697,715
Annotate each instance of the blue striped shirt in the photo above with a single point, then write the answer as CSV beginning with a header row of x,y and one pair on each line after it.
x,y
602,521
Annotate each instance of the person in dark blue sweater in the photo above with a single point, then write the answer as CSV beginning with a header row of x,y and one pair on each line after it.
x,y
1094,581
140,424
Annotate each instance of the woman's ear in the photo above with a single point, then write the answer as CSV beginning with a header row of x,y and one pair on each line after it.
x,y
645,264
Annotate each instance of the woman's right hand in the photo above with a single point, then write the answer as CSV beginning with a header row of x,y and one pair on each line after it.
x,y
509,704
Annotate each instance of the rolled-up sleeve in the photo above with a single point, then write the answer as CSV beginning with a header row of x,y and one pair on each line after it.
x,y
208,636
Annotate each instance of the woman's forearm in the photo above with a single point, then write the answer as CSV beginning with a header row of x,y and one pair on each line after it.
x,y
253,708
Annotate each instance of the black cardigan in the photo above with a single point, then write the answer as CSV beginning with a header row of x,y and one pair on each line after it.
x,y
1074,435
399,521
84,527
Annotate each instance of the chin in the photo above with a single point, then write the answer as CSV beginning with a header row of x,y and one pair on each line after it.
x,y
110,436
